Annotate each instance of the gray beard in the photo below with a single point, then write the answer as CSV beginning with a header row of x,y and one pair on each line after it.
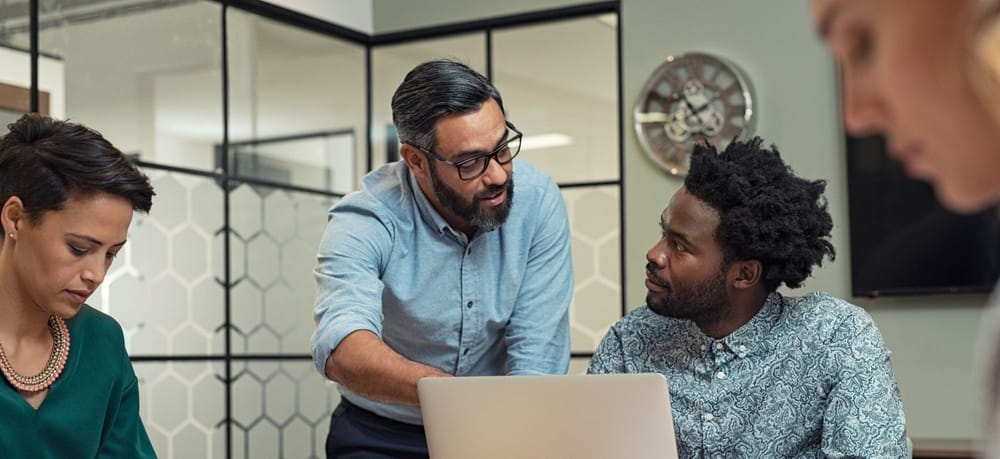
x,y
483,218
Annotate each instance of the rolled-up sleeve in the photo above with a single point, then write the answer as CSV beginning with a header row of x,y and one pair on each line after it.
x,y
348,286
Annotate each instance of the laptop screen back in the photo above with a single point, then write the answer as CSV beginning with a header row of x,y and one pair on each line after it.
x,y
574,416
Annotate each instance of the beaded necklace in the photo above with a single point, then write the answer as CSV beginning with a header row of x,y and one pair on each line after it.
x,y
53,368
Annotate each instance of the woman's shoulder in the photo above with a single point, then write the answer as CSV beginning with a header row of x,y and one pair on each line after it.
x,y
92,323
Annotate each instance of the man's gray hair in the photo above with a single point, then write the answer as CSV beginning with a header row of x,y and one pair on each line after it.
x,y
433,90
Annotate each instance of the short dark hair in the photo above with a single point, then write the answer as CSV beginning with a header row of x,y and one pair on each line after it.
x,y
44,161
433,90
766,213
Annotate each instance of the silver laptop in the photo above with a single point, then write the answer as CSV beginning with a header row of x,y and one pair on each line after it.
x,y
550,417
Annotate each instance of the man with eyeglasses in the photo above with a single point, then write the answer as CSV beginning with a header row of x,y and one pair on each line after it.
x,y
433,269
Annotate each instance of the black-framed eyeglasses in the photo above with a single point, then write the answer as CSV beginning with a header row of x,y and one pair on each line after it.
x,y
476,166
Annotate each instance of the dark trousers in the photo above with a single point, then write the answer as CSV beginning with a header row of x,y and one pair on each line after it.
x,y
356,433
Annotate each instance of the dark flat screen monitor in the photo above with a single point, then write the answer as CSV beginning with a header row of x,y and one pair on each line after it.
x,y
903,242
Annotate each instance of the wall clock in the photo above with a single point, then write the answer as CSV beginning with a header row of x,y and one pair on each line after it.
x,y
690,99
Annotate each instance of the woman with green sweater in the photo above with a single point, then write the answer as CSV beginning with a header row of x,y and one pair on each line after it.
x,y
68,388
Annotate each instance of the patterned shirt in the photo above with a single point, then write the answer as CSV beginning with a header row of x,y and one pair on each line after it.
x,y
806,377
494,304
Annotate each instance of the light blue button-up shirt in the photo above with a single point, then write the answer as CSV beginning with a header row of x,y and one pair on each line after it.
x,y
495,304
806,377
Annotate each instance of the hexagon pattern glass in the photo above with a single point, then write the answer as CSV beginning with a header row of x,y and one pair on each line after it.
x,y
163,289
596,248
170,301
280,409
182,405
274,238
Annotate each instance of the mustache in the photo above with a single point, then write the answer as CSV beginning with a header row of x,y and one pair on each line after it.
x,y
651,275
492,190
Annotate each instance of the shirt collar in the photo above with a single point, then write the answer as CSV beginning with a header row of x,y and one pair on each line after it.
x,y
427,211
755,333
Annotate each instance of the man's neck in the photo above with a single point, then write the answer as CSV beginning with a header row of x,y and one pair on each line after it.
x,y
743,307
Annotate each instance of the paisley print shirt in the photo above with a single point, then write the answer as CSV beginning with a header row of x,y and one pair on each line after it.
x,y
806,377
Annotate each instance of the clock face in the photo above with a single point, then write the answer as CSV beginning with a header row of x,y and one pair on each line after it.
x,y
690,99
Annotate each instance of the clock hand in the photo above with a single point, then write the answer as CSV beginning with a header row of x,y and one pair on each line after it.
x,y
651,117
705,102
694,111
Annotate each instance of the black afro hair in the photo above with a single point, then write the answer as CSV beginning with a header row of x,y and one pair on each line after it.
x,y
766,213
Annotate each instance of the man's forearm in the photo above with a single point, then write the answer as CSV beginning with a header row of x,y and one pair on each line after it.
x,y
367,366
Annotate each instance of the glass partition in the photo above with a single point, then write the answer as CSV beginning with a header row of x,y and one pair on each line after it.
x,y
183,406
559,81
167,290
596,246
145,74
274,234
296,105
166,286
569,115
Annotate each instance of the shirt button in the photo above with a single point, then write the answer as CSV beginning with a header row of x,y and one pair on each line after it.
x,y
469,305
719,346
704,347
743,348
720,375
709,416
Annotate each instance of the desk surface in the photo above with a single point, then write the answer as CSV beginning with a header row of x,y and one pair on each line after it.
x,y
933,448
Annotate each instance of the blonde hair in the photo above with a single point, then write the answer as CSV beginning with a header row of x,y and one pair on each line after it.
x,y
985,71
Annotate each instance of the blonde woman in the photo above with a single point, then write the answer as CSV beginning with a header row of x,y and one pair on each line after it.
x,y
926,75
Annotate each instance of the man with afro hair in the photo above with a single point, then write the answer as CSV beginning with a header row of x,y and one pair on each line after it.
x,y
754,373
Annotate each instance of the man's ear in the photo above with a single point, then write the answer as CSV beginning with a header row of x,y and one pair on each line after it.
x,y
748,273
12,214
415,159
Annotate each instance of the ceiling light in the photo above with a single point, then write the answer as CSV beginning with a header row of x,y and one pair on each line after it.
x,y
538,142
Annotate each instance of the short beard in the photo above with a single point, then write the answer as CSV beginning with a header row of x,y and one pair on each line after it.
x,y
703,303
483,218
